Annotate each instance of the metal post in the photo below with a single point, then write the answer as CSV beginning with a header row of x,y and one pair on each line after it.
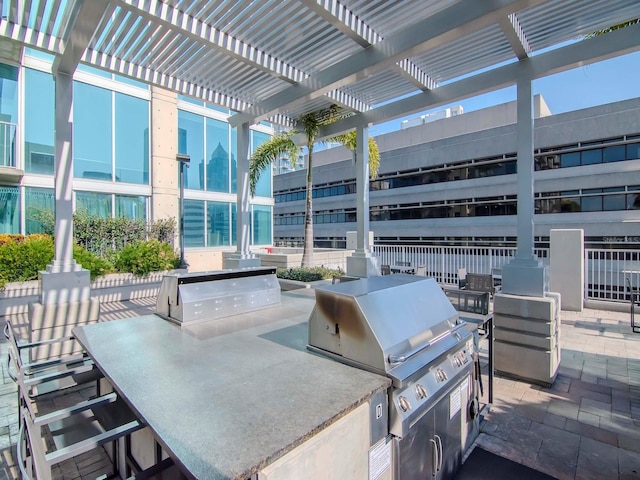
x,y
183,161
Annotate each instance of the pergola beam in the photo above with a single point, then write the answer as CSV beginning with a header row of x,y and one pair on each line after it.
x,y
516,37
596,49
348,23
460,19
82,18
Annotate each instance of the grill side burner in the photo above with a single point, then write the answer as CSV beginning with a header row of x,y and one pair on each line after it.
x,y
404,327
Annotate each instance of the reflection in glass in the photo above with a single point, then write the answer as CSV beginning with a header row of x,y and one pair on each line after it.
x,y
92,203
194,223
130,206
261,225
218,224
92,151
38,125
9,210
8,114
132,139
217,156
37,202
191,142
263,187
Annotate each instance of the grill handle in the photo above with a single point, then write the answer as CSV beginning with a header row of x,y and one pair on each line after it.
x,y
403,358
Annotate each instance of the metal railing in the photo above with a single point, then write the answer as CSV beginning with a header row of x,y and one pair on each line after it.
x,y
8,144
442,263
606,272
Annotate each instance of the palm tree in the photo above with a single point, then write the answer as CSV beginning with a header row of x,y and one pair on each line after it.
x,y
283,144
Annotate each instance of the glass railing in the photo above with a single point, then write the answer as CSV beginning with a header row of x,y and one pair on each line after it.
x,y
8,144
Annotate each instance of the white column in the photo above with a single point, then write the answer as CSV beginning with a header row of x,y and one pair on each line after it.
x,y
362,189
64,281
242,257
525,275
63,174
525,169
362,263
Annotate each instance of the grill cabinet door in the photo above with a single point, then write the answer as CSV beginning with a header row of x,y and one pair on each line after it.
x,y
417,450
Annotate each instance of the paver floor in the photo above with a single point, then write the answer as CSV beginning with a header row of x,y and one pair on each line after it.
x,y
586,426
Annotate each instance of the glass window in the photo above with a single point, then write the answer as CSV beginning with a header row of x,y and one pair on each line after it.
x,y
94,71
592,157
633,201
132,139
32,52
98,204
191,142
130,206
9,210
592,204
131,81
633,151
218,228
39,119
234,238
38,202
217,156
613,202
190,100
234,161
8,114
92,136
614,154
261,225
263,187
570,159
194,223
217,108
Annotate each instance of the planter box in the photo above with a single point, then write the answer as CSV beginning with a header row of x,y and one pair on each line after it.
x,y
15,297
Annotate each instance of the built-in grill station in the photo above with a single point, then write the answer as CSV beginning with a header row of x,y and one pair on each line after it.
x,y
190,298
404,327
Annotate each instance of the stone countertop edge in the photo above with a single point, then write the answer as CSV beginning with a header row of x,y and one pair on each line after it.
x,y
250,463
290,447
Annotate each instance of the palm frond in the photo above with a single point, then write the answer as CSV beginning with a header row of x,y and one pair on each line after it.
x,y
349,140
612,28
276,147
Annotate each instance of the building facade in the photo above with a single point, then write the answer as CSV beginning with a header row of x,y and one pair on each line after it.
x,y
125,141
453,181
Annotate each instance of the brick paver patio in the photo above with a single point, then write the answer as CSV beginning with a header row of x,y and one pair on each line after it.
x,y
586,426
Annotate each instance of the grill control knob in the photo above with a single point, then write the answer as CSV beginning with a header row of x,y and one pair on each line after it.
x,y
421,392
404,404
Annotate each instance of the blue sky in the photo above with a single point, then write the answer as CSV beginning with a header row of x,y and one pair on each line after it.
x,y
596,84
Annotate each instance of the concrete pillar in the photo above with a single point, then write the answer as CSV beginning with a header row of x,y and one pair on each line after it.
x,y
65,287
362,263
242,257
525,275
566,269
526,314
164,148
64,280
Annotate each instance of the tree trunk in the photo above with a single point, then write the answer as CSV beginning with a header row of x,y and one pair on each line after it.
x,y
307,252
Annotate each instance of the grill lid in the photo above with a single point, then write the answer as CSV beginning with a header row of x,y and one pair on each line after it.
x,y
372,320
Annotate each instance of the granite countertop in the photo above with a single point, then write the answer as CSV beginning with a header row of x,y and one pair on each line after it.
x,y
227,399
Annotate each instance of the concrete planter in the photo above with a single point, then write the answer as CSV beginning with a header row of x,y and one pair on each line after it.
x,y
15,297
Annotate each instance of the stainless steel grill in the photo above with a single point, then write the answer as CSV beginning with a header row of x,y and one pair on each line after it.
x,y
189,298
404,327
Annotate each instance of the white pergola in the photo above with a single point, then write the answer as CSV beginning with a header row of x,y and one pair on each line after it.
x,y
276,60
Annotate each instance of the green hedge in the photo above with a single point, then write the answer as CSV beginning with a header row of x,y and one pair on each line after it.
x,y
21,258
142,258
311,274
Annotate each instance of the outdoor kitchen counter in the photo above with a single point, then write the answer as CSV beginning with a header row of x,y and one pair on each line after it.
x,y
225,405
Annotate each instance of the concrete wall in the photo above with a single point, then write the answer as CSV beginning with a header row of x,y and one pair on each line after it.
x,y
566,267
164,147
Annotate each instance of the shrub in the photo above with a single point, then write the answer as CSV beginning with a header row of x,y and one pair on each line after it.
x,y
311,274
97,266
22,259
144,257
